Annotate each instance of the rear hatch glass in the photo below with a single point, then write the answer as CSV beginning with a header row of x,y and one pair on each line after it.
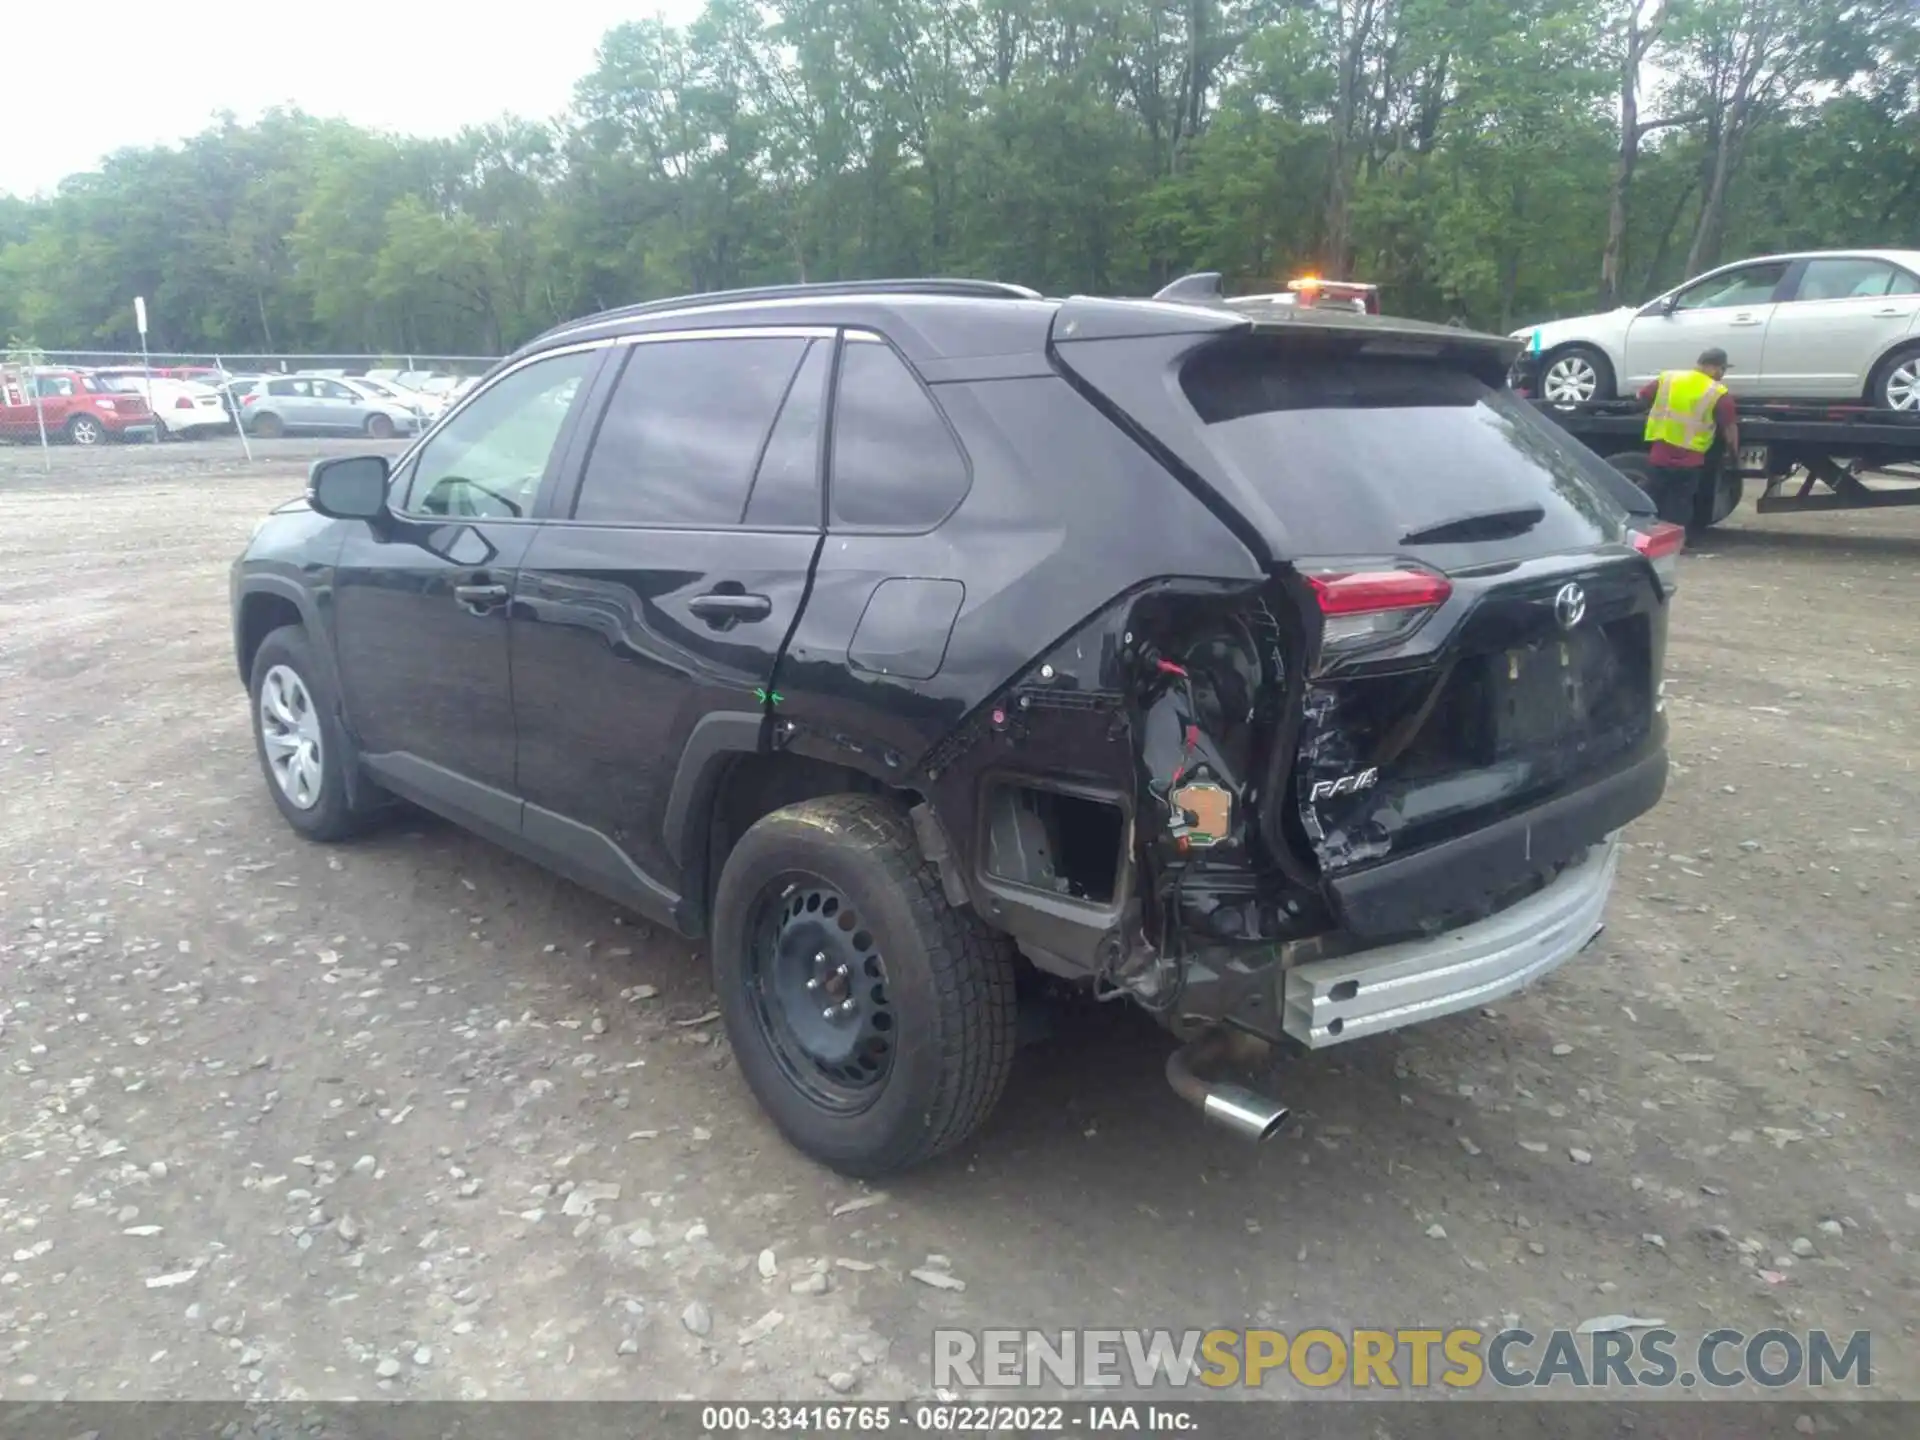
x,y
1352,454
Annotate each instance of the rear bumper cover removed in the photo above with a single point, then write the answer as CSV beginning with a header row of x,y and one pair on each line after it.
x,y
1330,1001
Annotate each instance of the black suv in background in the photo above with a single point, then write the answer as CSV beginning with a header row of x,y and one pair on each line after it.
x,y
1272,667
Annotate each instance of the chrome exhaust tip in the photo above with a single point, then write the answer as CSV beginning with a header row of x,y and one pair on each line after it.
x,y
1232,1107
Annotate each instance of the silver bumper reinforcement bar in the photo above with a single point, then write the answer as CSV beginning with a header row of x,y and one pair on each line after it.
x,y
1392,986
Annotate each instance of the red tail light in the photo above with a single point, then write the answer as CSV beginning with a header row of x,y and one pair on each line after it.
x,y
1661,543
183,403
1660,540
1365,592
248,399
1364,608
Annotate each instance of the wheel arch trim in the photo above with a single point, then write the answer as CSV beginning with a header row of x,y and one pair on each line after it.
x,y
716,738
279,587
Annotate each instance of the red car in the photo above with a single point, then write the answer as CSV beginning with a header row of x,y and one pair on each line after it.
x,y
73,405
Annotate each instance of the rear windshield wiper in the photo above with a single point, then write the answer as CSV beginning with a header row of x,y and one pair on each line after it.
x,y
1491,525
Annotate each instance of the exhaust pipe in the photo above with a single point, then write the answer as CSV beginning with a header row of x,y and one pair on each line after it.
x,y
1233,1107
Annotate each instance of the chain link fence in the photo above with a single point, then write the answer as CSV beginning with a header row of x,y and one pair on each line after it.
x,y
286,362
96,397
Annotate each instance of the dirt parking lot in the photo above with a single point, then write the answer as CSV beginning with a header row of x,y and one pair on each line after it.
x,y
411,1118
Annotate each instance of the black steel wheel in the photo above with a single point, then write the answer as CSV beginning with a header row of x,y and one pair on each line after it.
x,y
819,991
874,1022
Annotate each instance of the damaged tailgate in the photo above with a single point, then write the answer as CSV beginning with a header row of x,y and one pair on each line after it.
x,y
1479,699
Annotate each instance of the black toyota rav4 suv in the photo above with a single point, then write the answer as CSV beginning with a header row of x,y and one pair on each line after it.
x,y
1272,668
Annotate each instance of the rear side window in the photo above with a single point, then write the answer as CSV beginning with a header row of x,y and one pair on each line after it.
x,y
786,488
896,466
1356,455
683,433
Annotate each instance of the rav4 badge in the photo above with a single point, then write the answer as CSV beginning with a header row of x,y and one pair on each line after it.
x,y
1345,785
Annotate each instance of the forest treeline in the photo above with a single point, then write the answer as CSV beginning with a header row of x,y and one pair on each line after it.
x,y
1495,161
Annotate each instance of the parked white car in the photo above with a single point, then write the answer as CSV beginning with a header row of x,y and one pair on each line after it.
x,y
1828,325
406,384
186,409
378,392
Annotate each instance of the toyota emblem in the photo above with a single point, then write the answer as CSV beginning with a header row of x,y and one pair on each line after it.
x,y
1570,606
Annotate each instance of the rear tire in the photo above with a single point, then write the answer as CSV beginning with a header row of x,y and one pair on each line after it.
x,y
1672,498
269,426
1576,374
830,903
1896,381
380,427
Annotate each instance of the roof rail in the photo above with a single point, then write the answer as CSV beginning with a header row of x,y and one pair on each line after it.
x,y
976,289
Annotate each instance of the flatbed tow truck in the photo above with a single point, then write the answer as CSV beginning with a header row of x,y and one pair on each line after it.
x,y
1807,456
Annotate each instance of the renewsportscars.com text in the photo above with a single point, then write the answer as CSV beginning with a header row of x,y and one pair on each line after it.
x,y
1651,1358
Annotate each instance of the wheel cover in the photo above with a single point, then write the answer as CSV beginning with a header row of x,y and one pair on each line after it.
x,y
290,734
86,432
1571,377
818,991
1903,385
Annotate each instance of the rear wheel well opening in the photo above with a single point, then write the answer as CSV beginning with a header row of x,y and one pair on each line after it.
x,y
751,787
260,616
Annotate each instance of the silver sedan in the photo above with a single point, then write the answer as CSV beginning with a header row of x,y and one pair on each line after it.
x,y
1827,325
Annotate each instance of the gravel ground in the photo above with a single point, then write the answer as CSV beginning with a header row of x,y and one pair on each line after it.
x,y
412,1118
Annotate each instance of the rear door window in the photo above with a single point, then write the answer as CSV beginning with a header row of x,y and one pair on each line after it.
x,y
683,432
1852,279
1356,456
786,487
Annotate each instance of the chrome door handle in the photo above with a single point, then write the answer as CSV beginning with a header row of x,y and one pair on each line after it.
x,y
722,608
1892,312
1743,320
479,599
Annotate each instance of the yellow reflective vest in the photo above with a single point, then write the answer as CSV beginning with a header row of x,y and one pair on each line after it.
x,y
1682,413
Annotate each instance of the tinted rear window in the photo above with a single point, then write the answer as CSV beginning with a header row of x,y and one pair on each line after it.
x,y
1353,453
684,431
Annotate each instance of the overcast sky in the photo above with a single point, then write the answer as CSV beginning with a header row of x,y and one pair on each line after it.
x,y
164,70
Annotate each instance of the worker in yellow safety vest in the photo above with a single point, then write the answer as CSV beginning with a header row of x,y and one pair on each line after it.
x,y
1690,408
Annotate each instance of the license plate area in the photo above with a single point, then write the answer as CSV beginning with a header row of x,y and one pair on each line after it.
x,y
1539,694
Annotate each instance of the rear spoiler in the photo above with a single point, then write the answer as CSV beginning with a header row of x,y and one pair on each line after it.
x,y
1084,317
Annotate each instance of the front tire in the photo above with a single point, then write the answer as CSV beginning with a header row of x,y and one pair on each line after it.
x,y
874,1022
85,430
1575,375
303,750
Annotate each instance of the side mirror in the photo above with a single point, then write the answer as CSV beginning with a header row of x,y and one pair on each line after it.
x,y
348,487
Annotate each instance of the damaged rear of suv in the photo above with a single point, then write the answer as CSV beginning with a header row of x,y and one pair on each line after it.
x,y
1270,668
1371,768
